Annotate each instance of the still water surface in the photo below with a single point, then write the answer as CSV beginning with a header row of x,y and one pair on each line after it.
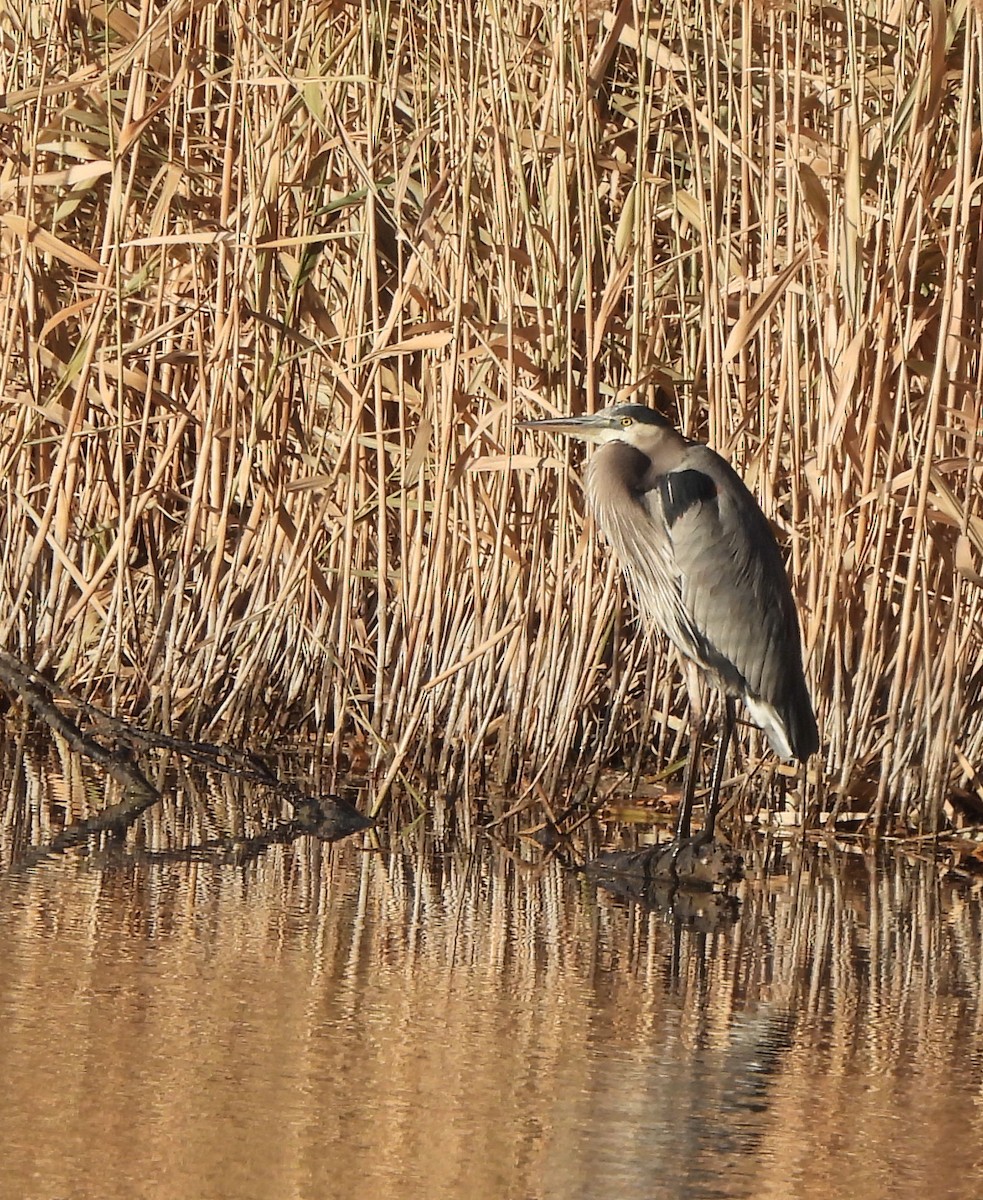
x,y
336,1022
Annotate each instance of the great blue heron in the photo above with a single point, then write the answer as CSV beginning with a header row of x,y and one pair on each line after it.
x,y
705,569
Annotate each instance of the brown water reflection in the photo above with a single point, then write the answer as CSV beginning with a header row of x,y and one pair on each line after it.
x,y
326,1022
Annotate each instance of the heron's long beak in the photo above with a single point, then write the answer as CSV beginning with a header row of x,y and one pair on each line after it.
x,y
588,427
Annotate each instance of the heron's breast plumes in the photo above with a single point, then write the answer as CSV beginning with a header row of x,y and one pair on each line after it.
x,y
615,485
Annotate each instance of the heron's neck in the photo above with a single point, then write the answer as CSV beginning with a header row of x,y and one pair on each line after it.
x,y
617,472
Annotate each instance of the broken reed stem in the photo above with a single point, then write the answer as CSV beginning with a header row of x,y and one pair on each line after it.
x,y
275,285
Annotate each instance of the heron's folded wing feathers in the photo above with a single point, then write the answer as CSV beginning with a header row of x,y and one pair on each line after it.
x,y
730,575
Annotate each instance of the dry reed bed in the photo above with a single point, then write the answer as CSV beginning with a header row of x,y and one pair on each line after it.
x,y
276,281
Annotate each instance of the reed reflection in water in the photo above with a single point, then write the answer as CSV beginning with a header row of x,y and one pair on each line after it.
x,y
454,1023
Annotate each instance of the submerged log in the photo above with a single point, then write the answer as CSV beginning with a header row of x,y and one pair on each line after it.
x,y
691,863
699,910
328,818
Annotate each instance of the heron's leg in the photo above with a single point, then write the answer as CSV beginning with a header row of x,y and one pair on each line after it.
x,y
689,779
713,802
698,723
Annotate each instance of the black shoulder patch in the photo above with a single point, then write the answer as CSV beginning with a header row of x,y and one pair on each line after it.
x,y
680,490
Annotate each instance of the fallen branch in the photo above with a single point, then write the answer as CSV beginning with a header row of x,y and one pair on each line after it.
x,y
328,818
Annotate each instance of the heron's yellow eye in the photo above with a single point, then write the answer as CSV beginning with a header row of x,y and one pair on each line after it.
x,y
627,422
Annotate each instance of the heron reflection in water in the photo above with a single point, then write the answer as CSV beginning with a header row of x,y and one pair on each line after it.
x,y
704,569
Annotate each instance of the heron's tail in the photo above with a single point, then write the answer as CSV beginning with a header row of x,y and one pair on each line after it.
x,y
789,726
802,727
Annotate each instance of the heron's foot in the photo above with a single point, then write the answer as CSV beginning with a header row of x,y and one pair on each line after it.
x,y
701,861
701,909
693,862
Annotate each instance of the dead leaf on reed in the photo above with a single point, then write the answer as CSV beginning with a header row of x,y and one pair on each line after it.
x,y
624,235
88,145
689,208
813,192
659,375
943,501
965,563
973,775
504,353
482,648
943,504
213,237
47,243
845,372
610,297
850,239
66,314
531,461
152,41
433,336
504,462
132,131
771,292
77,177
647,44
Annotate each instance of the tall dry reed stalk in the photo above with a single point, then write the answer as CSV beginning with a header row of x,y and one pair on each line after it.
x,y
277,279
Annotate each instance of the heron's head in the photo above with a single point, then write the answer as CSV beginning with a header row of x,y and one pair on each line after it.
x,y
635,424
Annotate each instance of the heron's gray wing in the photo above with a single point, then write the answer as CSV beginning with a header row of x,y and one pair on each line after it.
x,y
730,576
